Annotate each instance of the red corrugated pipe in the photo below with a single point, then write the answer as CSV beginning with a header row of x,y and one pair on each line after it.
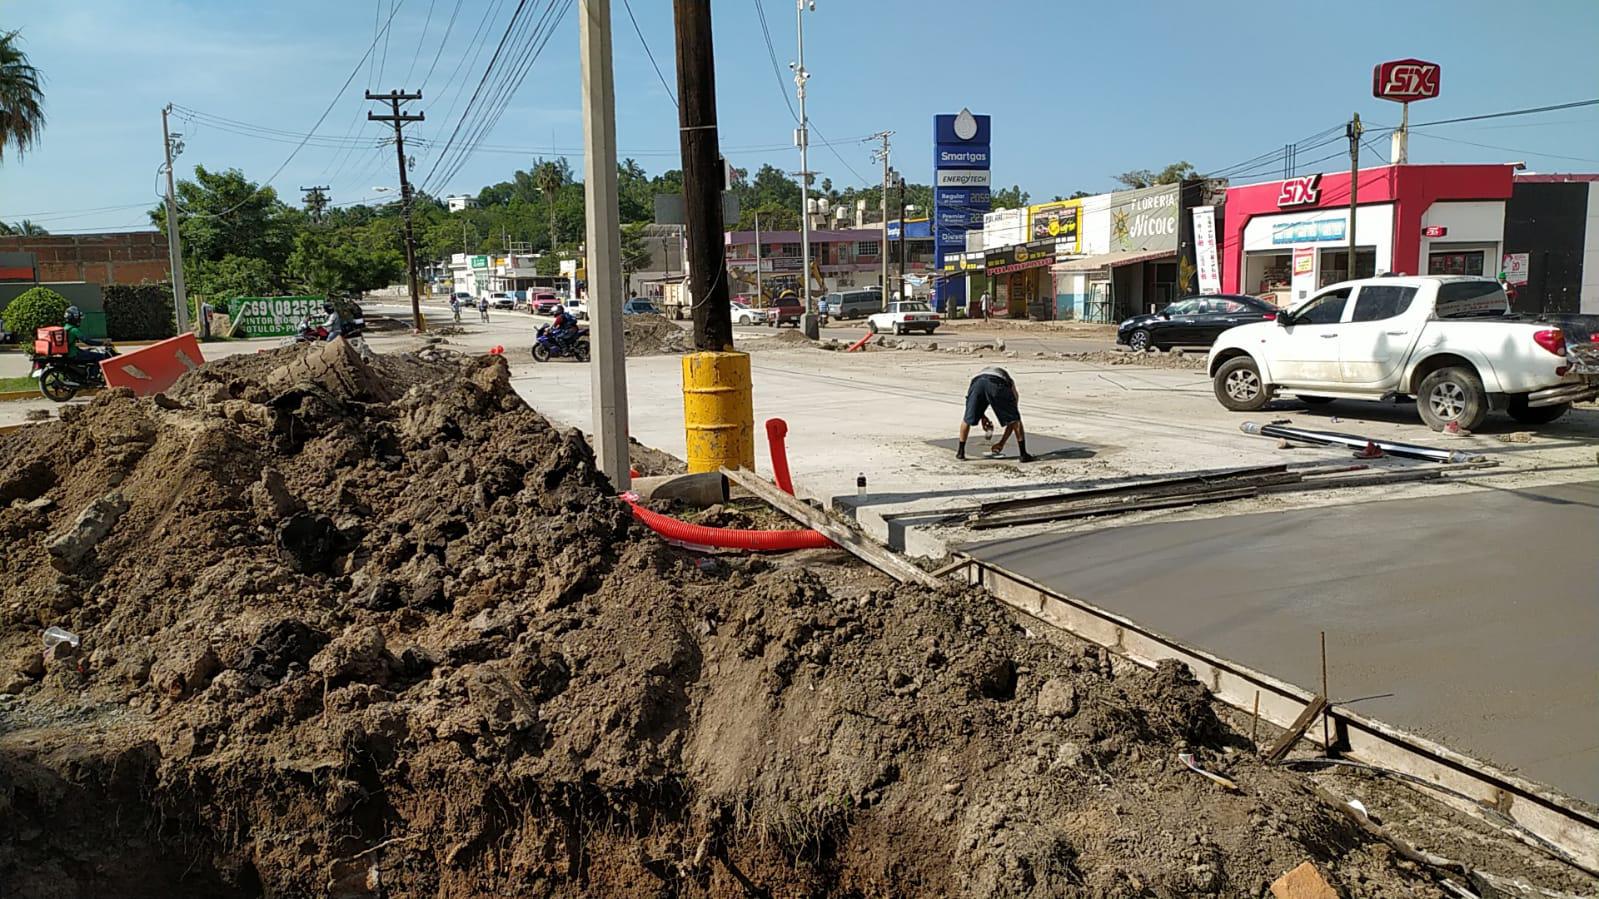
x,y
776,430
726,538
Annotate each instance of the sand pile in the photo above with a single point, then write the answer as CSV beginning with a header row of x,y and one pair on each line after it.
x,y
648,334
355,630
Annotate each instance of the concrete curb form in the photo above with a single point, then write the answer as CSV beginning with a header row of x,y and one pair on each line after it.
x,y
9,396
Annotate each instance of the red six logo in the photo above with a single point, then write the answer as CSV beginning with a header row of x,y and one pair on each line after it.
x,y
1404,80
1300,191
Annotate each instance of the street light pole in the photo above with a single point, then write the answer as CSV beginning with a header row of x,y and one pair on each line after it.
x,y
180,293
808,321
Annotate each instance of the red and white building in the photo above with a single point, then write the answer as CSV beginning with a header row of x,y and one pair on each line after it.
x,y
1292,237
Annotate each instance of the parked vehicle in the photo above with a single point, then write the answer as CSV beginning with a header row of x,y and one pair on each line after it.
x,y
1192,321
547,347
853,304
543,302
60,378
745,314
639,306
1451,343
502,301
578,309
786,310
904,316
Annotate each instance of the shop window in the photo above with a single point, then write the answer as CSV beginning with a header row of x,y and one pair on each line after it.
x,y
1335,266
1326,309
1376,302
865,248
790,249
1457,263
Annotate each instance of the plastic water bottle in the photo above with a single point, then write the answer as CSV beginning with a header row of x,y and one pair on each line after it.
x,y
860,485
54,635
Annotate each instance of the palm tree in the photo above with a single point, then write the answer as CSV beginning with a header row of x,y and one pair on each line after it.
x,y
550,181
21,99
25,228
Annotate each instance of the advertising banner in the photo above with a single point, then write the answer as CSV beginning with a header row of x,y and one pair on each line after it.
x,y
963,178
1304,260
1033,254
962,156
1516,267
1205,249
1313,231
273,316
1144,219
1058,220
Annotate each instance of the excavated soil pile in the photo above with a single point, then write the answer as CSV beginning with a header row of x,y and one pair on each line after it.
x,y
354,630
649,334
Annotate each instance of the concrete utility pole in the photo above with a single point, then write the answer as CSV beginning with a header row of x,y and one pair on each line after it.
x,y
604,243
180,293
902,229
882,255
760,290
1354,131
399,120
802,138
703,176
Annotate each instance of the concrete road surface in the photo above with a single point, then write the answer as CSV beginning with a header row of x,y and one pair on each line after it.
x,y
1478,612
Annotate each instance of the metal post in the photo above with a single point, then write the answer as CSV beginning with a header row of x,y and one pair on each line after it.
x,y
808,321
180,293
902,229
604,242
760,291
1354,187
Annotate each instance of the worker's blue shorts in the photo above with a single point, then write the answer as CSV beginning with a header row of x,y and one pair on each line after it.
x,y
988,392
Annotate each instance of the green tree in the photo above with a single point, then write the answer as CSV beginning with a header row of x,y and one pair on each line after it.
x,y
550,179
33,309
1012,197
224,214
21,97
635,254
1171,174
334,264
24,228
635,199
237,276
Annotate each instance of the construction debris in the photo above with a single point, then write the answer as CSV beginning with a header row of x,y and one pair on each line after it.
x,y
1303,882
1357,442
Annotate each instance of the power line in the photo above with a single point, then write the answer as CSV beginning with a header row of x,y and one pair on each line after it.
x,y
638,31
1513,112
478,91
771,52
444,42
1456,140
420,43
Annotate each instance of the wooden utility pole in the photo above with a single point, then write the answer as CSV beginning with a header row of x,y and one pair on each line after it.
x,y
1353,129
316,201
399,120
180,294
608,369
703,176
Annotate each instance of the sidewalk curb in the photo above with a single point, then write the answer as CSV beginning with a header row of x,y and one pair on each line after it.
x,y
10,396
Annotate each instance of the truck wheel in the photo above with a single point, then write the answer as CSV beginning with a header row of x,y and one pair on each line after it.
x,y
1534,415
1238,386
1452,395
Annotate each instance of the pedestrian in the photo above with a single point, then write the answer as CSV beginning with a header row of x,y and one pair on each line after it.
x,y
985,305
455,307
993,388
1508,288
483,307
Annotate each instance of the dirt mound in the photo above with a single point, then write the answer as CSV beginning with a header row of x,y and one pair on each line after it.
x,y
649,334
352,647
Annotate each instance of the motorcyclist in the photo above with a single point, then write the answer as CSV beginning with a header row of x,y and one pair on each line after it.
x,y
335,322
564,328
77,340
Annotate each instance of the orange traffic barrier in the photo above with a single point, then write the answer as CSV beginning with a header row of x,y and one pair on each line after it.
x,y
154,368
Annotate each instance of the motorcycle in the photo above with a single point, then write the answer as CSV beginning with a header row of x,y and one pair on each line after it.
x,y
546,346
61,378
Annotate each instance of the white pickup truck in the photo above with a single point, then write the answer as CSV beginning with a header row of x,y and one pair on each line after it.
x,y
1452,343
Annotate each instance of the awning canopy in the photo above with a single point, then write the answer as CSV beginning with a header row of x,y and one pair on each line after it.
x,y
1111,260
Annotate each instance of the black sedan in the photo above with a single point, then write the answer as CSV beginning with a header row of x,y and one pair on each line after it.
x,y
1192,321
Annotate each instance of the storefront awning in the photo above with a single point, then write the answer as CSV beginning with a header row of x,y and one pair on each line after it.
x,y
1112,260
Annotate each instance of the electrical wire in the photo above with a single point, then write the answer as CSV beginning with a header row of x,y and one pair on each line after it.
x,y
645,44
309,134
420,42
463,61
444,42
777,70
1456,140
477,92
1513,112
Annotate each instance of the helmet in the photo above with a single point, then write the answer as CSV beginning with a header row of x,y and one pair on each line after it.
x,y
73,315
327,306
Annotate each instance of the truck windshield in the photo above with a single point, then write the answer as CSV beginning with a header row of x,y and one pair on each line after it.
x,y
1471,299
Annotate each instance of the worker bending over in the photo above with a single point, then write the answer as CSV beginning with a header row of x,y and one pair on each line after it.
x,y
993,388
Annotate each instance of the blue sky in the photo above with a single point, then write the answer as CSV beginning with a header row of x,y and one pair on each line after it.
x,y
1078,91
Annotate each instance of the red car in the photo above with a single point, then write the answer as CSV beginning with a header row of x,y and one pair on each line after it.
x,y
543,302
785,310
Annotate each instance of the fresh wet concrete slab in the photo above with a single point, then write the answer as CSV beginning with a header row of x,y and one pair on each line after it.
x,y
1043,446
1478,611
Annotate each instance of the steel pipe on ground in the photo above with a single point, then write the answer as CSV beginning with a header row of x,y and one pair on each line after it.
x,y
1355,441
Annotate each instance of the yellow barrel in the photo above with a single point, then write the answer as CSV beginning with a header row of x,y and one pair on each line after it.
x,y
718,412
